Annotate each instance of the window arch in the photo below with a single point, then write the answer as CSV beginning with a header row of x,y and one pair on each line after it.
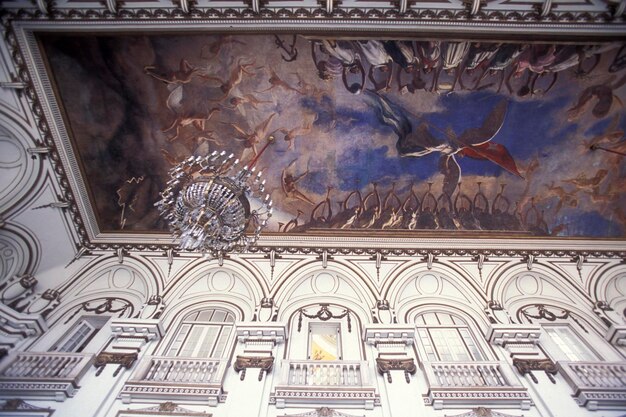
x,y
446,337
202,333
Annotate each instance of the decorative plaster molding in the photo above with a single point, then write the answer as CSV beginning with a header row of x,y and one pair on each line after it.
x,y
149,329
383,333
502,334
386,365
364,397
164,409
467,12
616,335
482,412
242,363
124,360
441,399
21,324
275,333
526,366
321,412
17,406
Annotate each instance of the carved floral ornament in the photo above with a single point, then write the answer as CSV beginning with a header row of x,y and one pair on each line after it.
x,y
321,412
265,363
482,412
104,305
324,314
124,360
385,366
526,366
549,313
21,406
164,409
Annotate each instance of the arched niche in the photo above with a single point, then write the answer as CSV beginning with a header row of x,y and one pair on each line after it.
x,y
230,283
516,287
132,282
335,283
417,285
460,319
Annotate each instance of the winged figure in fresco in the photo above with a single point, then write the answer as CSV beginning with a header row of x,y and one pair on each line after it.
x,y
253,137
473,142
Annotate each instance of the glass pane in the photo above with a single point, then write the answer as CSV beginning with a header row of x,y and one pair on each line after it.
x,y
444,318
78,339
469,342
570,344
427,345
219,316
449,345
192,341
221,341
205,347
178,341
205,315
324,343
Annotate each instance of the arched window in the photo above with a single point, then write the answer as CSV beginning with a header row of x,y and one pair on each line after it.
x,y
446,337
202,334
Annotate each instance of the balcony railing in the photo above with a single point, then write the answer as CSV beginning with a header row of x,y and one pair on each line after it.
x,y
49,375
597,385
472,384
304,382
190,379
325,373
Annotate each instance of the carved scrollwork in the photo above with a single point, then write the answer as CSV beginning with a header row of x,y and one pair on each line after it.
x,y
324,314
543,312
265,363
124,360
526,366
385,365
105,305
19,405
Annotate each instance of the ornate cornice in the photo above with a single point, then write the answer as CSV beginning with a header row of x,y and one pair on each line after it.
x,y
472,15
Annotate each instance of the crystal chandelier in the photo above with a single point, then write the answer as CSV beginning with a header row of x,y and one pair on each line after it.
x,y
214,205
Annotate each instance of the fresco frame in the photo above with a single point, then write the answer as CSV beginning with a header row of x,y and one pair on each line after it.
x,y
39,90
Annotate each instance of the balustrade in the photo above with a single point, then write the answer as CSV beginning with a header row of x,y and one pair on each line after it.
x,y
335,373
596,385
468,375
47,374
176,378
474,384
195,371
305,382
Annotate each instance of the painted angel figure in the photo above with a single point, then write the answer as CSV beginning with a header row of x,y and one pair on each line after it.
x,y
474,143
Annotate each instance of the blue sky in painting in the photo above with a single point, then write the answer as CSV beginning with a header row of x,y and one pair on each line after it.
x,y
592,224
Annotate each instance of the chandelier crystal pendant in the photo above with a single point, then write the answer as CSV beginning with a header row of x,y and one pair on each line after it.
x,y
214,205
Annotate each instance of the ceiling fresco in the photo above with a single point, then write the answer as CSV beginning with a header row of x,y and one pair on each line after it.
x,y
398,135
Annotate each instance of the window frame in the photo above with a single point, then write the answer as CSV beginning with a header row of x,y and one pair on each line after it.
x,y
186,326
93,322
577,336
432,351
324,325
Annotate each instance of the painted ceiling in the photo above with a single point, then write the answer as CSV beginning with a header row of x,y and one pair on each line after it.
x,y
398,135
